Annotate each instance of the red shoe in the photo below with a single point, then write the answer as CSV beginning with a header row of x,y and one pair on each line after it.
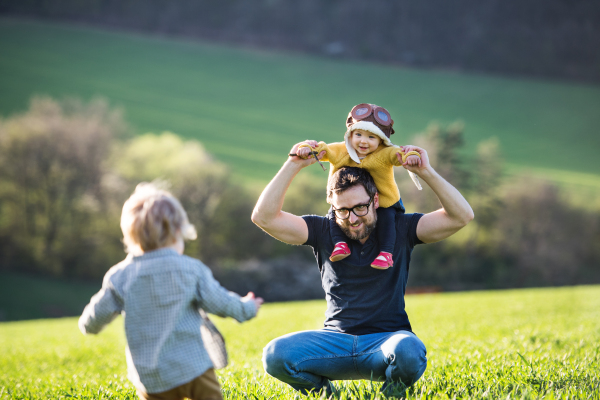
x,y
340,251
383,261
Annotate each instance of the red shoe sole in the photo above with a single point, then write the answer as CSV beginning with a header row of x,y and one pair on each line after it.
x,y
382,268
338,257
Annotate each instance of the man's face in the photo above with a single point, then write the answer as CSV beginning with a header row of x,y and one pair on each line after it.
x,y
356,228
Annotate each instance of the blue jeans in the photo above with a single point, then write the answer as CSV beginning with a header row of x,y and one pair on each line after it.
x,y
309,360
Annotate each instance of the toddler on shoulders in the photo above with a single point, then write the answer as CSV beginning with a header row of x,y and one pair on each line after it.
x,y
367,145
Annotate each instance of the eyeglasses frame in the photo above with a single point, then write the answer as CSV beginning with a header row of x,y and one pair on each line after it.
x,y
352,209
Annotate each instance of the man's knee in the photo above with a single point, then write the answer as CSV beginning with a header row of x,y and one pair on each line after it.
x,y
276,357
407,358
271,358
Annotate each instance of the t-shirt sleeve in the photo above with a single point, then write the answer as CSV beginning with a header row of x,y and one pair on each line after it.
x,y
316,226
412,220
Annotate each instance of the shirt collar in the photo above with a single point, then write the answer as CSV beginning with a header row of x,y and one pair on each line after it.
x,y
156,253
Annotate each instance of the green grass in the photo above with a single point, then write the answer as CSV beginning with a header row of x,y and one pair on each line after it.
x,y
500,344
248,107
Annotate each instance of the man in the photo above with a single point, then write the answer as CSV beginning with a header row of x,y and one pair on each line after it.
x,y
367,334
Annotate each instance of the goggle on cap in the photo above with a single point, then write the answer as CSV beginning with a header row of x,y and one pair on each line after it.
x,y
371,113
370,118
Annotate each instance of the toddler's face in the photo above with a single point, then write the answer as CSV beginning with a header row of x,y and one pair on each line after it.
x,y
364,142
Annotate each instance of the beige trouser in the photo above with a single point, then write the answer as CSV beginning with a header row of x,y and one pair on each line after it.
x,y
204,387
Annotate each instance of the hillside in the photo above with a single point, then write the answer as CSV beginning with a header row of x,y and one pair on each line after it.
x,y
249,107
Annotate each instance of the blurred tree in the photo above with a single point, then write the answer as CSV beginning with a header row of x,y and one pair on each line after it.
x,y
51,167
307,194
65,171
219,208
524,232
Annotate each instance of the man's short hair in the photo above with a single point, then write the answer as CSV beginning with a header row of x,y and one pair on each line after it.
x,y
153,218
347,177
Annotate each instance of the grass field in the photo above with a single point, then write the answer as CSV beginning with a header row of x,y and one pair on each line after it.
x,y
518,344
248,107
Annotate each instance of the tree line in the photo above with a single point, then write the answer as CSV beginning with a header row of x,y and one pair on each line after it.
x,y
547,38
66,167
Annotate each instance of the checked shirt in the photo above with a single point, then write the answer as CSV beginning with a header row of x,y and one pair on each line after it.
x,y
161,295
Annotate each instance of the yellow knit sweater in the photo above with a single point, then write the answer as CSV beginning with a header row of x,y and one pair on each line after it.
x,y
379,163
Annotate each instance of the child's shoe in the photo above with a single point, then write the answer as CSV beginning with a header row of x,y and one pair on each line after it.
x,y
383,261
340,251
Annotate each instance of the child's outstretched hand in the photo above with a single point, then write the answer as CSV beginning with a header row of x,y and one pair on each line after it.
x,y
296,154
423,163
304,152
413,161
257,300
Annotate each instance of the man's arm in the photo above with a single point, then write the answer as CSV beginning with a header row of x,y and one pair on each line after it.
x,y
267,213
455,212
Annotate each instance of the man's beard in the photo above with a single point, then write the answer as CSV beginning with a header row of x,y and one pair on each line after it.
x,y
368,228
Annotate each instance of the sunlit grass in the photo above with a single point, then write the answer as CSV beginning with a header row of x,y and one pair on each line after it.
x,y
501,344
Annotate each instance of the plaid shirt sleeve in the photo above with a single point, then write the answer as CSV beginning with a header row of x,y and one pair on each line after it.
x,y
103,307
217,300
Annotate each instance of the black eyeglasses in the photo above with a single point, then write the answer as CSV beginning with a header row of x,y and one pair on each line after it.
x,y
360,210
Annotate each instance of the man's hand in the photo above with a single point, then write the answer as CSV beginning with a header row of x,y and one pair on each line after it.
x,y
303,157
257,300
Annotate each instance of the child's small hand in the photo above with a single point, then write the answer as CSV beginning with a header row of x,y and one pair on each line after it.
x,y
304,152
422,164
257,300
413,161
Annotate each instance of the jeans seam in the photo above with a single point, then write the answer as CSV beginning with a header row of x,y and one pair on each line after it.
x,y
355,356
368,352
320,358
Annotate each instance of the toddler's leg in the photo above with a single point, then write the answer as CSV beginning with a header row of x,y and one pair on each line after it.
x,y
386,233
341,249
203,387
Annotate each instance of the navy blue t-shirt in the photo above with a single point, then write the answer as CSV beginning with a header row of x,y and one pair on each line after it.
x,y
362,299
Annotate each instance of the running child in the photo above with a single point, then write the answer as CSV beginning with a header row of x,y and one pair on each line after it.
x,y
172,347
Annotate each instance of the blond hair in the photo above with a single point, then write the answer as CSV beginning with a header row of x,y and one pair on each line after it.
x,y
153,218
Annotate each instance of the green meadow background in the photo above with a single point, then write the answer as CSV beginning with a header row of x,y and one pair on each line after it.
x,y
248,107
